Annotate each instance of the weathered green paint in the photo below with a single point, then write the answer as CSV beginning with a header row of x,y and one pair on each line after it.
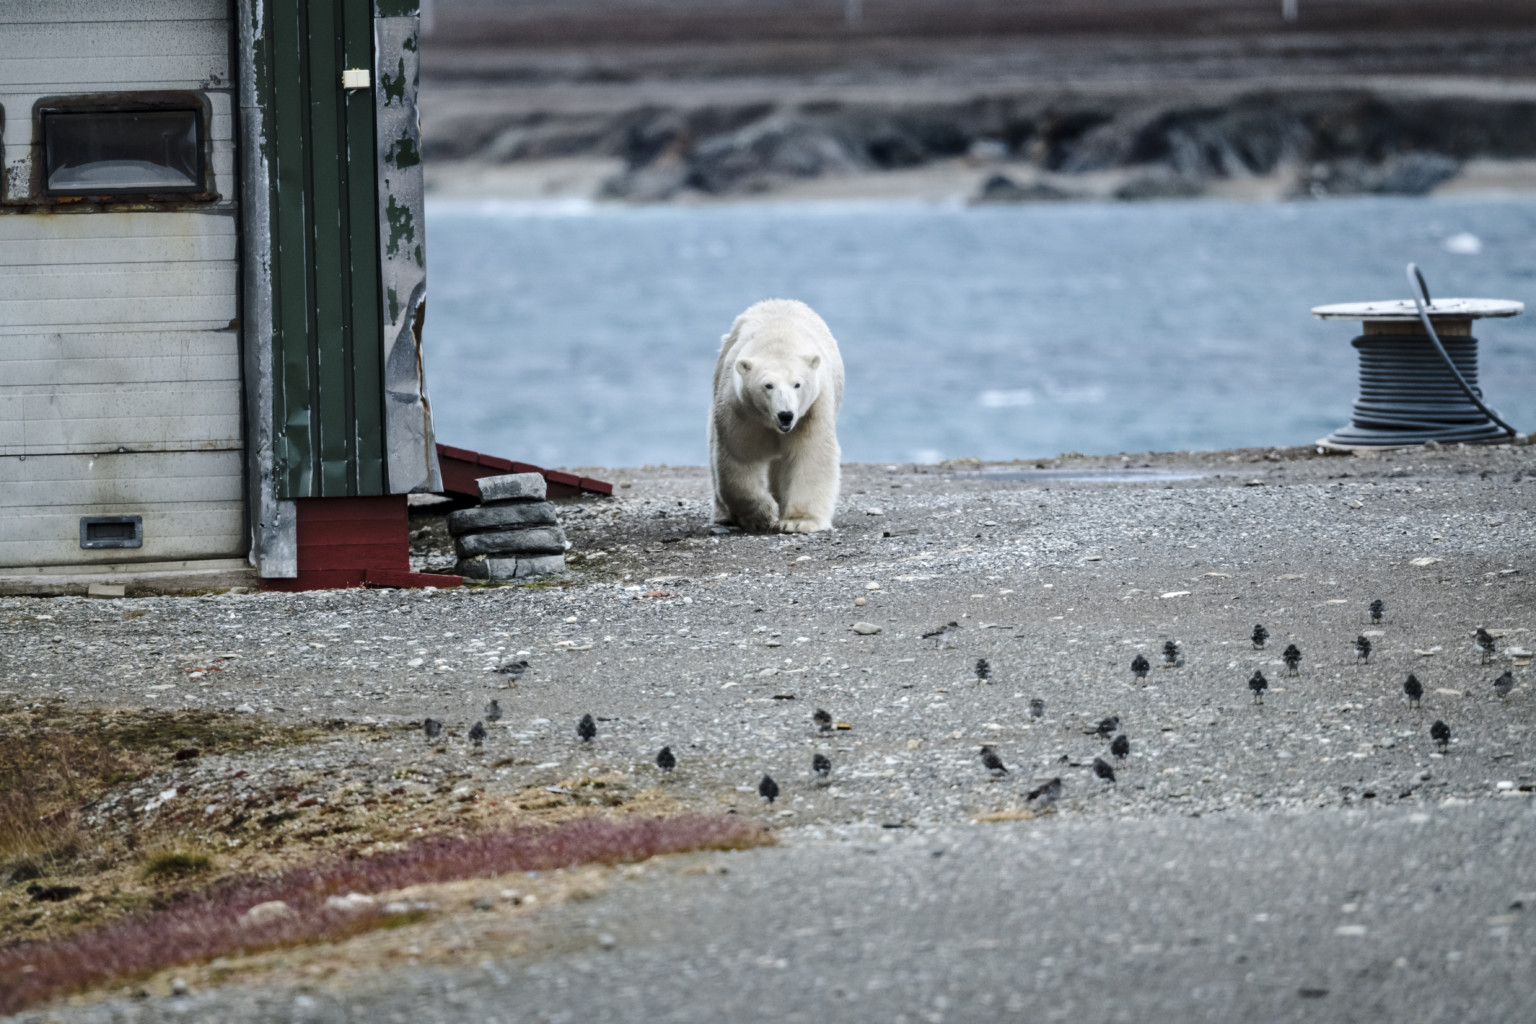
x,y
328,399
393,85
396,8
394,305
403,153
402,226
360,214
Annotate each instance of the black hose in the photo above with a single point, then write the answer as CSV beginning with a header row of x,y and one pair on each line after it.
x,y
1415,389
1416,278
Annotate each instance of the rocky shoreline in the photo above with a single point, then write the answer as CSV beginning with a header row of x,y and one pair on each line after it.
x,y
1029,147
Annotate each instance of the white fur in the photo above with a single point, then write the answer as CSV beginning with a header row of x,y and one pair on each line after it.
x,y
778,358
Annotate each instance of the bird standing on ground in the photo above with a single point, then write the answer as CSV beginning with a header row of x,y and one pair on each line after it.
x,y
493,711
1258,684
823,720
768,789
991,762
1504,684
1121,747
944,636
1102,769
1047,792
1363,649
666,760
1037,708
1485,644
1441,734
1170,654
477,734
432,727
586,728
515,669
1106,726
1292,658
1139,666
1413,688
983,669
1377,610
1260,634
821,765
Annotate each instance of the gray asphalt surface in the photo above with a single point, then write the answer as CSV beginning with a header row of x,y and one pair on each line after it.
x,y
1133,901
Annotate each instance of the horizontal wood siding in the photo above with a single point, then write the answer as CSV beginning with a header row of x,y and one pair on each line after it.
x,y
120,383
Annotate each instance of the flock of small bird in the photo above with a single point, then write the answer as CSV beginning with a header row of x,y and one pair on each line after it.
x,y
1050,791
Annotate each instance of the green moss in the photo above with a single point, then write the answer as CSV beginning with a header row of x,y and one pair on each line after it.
x,y
167,866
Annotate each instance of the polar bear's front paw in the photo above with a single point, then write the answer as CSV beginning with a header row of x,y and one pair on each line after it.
x,y
802,525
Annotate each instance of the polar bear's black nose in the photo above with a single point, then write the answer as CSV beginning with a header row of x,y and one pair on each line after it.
x,y
785,418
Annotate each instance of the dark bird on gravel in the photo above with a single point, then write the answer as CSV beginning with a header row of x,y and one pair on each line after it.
x,y
1102,769
1170,653
821,765
1047,792
768,789
1377,610
991,762
1037,708
586,728
1139,666
1485,644
823,720
477,734
1363,649
1441,734
1504,684
1260,634
944,636
665,760
983,669
493,711
1106,727
1292,658
1413,688
1258,684
1121,748
432,727
515,669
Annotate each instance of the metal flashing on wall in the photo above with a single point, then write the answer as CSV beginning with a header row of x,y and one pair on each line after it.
x,y
410,448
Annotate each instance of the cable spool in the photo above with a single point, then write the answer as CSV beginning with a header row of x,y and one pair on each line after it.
x,y
1418,372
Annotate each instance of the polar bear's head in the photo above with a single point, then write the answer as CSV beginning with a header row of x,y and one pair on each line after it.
x,y
781,390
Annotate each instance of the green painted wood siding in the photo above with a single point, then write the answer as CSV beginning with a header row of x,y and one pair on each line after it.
x,y
328,398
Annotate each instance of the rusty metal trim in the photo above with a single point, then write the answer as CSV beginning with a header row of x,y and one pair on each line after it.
x,y
273,523
410,448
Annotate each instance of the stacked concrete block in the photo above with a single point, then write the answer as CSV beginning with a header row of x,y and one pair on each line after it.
x,y
512,534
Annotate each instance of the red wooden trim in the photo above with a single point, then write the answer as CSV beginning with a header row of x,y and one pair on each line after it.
x,y
462,467
362,557
386,508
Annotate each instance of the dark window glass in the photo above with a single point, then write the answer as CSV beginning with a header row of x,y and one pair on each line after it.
x,y
93,153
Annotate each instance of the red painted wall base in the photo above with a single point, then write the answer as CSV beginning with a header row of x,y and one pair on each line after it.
x,y
355,542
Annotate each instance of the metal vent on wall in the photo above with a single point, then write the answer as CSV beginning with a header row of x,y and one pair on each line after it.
x,y
112,531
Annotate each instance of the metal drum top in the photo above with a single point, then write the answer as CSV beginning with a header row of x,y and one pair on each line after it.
x,y
1404,309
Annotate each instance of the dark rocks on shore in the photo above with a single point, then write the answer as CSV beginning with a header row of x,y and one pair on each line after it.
x,y
1341,142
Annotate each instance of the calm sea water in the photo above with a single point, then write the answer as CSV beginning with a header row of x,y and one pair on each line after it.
x,y
582,335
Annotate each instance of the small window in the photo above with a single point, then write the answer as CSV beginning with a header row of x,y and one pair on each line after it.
x,y
130,151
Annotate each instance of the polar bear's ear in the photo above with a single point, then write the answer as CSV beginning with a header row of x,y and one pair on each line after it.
x,y
813,361
743,367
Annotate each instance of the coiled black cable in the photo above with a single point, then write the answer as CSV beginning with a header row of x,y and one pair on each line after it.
x,y
1416,388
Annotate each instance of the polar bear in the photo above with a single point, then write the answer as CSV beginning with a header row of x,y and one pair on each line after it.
x,y
773,453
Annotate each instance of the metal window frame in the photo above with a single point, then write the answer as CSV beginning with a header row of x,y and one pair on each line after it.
x,y
125,103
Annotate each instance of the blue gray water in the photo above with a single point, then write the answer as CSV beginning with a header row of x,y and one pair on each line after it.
x,y
581,335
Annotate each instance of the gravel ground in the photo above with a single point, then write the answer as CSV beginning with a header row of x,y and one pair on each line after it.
x,y
1058,572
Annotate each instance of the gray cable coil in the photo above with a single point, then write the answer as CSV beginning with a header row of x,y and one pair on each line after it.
x,y
1415,389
